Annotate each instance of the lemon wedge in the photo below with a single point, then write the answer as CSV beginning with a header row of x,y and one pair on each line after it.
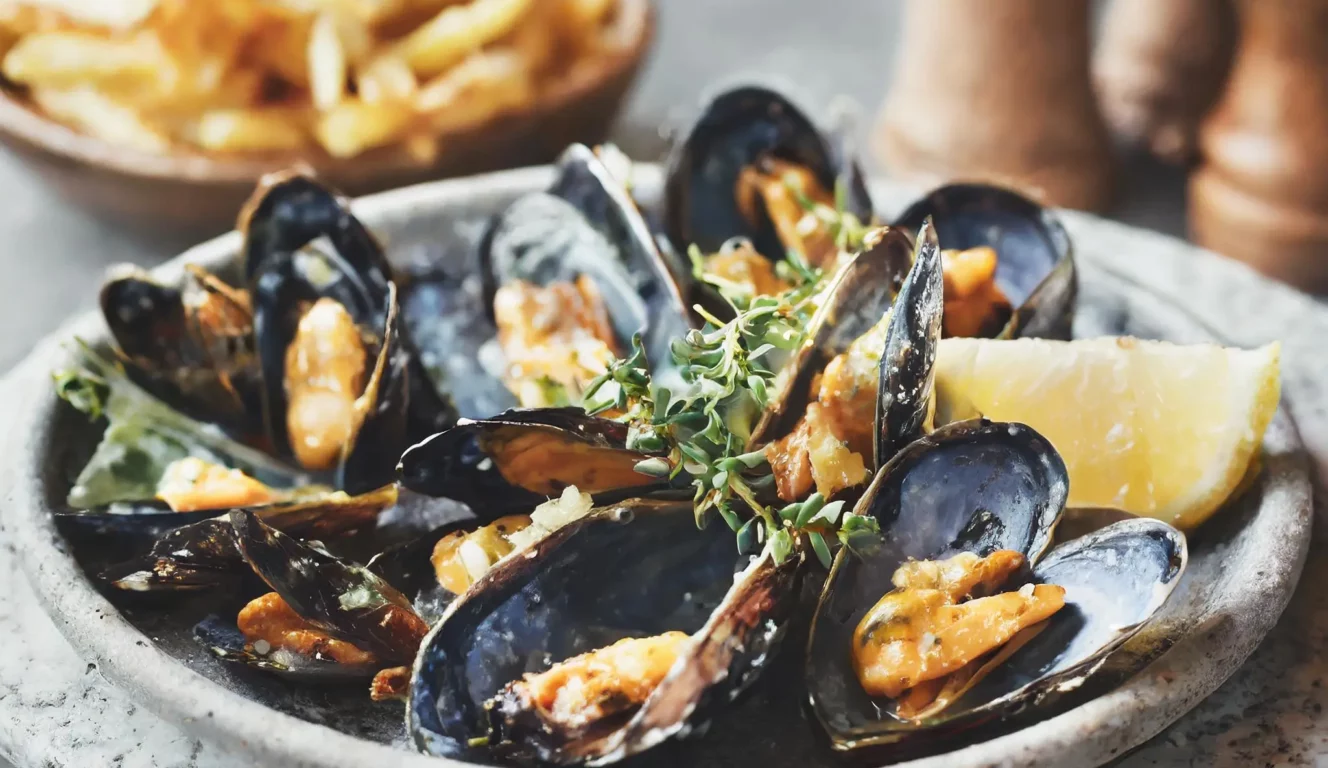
x,y
1157,429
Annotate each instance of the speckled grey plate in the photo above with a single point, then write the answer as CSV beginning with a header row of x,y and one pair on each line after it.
x,y
1244,564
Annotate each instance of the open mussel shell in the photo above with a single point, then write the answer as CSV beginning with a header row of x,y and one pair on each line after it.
x,y
735,130
199,358
408,567
1035,262
283,289
587,224
636,569
187,552
341,598
862,292
974,486
301,243
906,374
1115,580
522,457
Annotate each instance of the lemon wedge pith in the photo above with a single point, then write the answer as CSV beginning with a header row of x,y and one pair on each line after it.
x,y
1153,428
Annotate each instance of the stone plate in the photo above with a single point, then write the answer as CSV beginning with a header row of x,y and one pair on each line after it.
x,y
1244,564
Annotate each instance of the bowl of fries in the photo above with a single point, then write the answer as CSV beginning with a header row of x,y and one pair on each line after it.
x,y
165,113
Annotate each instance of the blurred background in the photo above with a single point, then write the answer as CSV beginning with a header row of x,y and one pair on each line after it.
x,y
1003,88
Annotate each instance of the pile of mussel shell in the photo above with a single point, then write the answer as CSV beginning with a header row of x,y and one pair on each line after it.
x,y
440,425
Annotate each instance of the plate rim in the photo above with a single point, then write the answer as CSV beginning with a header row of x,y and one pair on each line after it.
x,y
1093,732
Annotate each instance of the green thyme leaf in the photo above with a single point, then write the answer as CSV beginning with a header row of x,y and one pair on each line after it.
x,y
820,547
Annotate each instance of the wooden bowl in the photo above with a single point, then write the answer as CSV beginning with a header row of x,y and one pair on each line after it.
x,y
198,193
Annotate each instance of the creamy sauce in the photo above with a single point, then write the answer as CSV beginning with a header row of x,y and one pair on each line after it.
x,y
974,305
576,693
191,484
932,625
559,334
269,623
773,181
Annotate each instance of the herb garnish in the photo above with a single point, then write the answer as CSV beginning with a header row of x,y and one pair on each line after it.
x,y
704,429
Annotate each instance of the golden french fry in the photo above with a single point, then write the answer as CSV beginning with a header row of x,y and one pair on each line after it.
x,y
64,60
475,90
354,126
91,112
458,31
386,78
327,63
282,49
248,130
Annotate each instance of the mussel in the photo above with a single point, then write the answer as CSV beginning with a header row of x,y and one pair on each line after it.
x,y
636,581
302,244
870,355
326,618
342,387
983,488
192,345
727,175
521,457
1029,250
196,550
561,283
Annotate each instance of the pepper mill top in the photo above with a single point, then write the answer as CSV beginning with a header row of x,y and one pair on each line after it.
x,y
998,92
1261,195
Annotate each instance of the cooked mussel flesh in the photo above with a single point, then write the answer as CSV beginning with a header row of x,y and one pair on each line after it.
x,y
326,618
508,674
515,460
1009,262
570,276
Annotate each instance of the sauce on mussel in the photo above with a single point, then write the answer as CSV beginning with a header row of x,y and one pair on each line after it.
x,y
943,619
974,305
462,557
743,266
326,366
785,190
192,484
555,339
270,625
592,692
831,446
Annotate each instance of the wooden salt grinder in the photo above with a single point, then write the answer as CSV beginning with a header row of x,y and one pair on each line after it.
x,y
1261,195
998,92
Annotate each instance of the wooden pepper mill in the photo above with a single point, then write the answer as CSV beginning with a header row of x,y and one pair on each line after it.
x,y
1261,195
998,92
1160,66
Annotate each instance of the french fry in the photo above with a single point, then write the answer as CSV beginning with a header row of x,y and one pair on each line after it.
x,y
354,126
91,112
386,78
476,90
279,75
63,60
327,63
458,31
248,130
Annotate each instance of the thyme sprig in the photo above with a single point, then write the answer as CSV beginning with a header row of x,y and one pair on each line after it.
x,y
729,370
